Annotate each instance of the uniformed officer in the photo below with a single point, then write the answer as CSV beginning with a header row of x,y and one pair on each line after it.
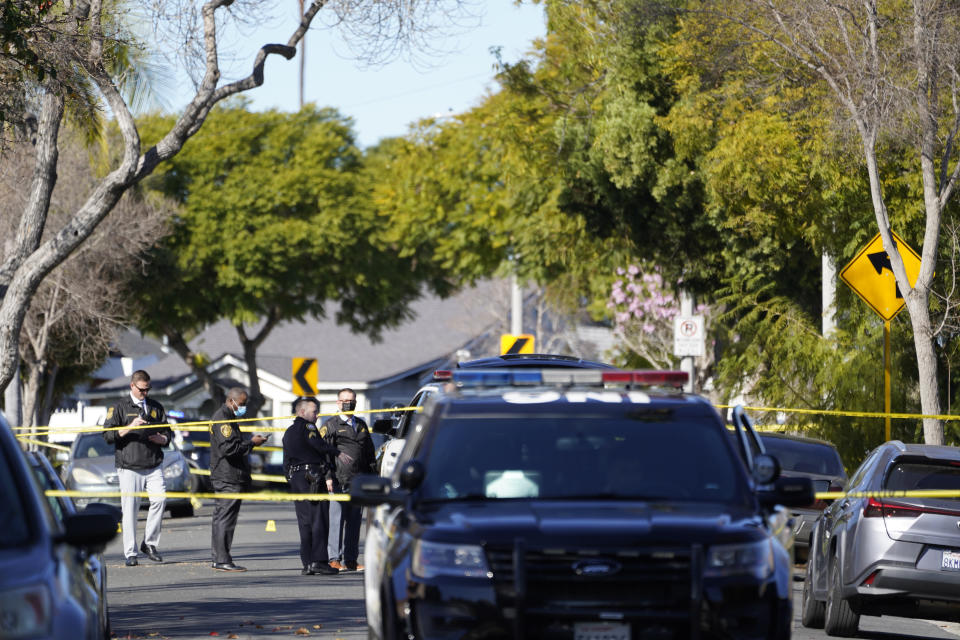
x,y
139,459
229,473
307,459
351,436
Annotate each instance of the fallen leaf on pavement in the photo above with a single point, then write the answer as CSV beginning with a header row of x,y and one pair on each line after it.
x,y
301,632
233,635
318,626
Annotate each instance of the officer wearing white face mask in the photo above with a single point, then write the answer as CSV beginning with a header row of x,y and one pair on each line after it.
x,y
229,473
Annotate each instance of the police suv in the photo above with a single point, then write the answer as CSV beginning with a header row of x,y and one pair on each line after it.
x,y
580,505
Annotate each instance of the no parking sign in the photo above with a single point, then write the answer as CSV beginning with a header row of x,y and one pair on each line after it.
x,y
688,336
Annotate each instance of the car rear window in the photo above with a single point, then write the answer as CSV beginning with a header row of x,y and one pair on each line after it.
x,y
93,446
806,457
904,476
559,456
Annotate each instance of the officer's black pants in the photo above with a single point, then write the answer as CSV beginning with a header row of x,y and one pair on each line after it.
x,y
312,521
225,514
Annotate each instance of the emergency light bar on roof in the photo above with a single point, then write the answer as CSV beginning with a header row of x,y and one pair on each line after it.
x,y
561,377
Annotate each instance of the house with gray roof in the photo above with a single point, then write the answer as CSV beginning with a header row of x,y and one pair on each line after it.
x,y
384,373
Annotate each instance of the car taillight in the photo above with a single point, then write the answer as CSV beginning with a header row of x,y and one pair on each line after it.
x,y
25,612
869,581
873,509
876,508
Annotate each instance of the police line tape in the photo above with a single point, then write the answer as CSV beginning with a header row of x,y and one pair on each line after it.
x,y
263,477
203,425
266,496
200,425
848,414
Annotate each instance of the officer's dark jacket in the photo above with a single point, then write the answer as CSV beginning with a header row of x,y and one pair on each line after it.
x,y
356,444
229,451
302,444
134,450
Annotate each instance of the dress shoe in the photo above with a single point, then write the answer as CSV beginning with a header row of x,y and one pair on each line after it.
x,y
353,566
336,565
150,551
324,569
227,566
132,561
307,571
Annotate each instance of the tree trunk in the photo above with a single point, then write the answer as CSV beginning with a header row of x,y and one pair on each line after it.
x,y
46,408
32,391
917,307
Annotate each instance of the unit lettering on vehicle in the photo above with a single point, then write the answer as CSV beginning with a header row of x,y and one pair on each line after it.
x,y
609,397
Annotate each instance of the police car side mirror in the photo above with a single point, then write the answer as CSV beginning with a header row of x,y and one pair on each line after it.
x,y
411,475
766,469
789,492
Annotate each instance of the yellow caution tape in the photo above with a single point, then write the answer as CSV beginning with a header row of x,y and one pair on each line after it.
x,y
264,496
254,476
343,497
41,443
913,493
202,425
851,414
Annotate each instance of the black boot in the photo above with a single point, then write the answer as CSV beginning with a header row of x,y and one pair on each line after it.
x,y
323,569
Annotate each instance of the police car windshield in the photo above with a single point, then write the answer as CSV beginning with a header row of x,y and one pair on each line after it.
x,y
563,457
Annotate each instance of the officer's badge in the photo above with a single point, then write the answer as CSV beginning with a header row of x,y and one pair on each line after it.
x,y
363,430
226,430
153,413
109,413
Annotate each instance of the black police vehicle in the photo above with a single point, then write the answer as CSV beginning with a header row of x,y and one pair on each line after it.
x,y
581,505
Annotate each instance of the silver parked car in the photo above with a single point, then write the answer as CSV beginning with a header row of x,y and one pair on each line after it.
x,y
92,467
888,556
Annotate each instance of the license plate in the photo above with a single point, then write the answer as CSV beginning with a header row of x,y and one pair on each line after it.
x,y
601,631
950,561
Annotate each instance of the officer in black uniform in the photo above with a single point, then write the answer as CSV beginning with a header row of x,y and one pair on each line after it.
x,y
351,437
307,459
139,460
229,473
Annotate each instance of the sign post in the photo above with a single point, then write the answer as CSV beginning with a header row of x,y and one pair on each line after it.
x,y
871,277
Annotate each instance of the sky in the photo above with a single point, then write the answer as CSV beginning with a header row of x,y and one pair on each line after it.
x,y
384,100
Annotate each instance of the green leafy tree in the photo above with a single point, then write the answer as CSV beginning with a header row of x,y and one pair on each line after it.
x,y
275,224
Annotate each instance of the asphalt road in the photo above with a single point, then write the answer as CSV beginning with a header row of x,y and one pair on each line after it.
x,y
184,598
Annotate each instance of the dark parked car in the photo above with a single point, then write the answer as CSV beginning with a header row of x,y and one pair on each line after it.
x,y
577,504
91,558
809,458
195,443
895,556
44,586
92,467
